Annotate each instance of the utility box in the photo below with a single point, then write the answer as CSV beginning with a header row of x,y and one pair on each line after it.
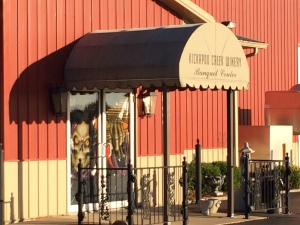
x,y
268,142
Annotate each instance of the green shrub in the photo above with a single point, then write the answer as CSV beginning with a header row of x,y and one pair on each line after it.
x,y
208,169
211,169
295,177
191,175
236,175
222,166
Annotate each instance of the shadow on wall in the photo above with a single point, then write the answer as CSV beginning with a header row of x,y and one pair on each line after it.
x,y
244,116
9,207
29,102
29,99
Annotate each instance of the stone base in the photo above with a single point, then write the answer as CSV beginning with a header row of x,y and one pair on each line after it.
x,y
209,206
219,193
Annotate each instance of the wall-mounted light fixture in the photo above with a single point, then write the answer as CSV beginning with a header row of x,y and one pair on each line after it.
x,y
59,99
149,103
229,24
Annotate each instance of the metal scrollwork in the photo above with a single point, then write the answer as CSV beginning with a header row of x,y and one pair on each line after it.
x,y
145,186
267,185
257,186
171,189
277,186
103,204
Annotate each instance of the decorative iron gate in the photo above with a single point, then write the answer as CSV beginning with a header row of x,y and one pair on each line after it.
x,y
144,197
266,185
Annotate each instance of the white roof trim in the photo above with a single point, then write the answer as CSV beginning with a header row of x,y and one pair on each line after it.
x,y
194,14
189,10
249,44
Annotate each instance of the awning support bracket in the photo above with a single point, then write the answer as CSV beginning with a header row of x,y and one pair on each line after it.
x,y
253,53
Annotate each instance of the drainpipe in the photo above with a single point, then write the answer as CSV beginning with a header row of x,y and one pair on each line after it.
x,y
255,51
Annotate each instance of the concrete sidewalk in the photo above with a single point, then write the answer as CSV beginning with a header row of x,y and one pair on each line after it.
x,y
194,217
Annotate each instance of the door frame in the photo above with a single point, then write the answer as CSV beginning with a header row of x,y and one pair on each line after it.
x,y
101,136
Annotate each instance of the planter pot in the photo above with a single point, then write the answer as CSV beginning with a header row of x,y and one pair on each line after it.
x,y
209,206
215,182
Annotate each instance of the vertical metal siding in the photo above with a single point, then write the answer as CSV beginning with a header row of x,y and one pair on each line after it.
x,y
41,79
112,16
149,131
189,119
204,118
151,135
174,124
95,17
79,18
22,59
158,124
135,12
32,80
194,116
87,16
1,74
9,77
274,68
39,34
34,31
51,24
70,22
182,119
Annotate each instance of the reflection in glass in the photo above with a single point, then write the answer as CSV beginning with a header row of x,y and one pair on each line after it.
x,y
117,139
84,139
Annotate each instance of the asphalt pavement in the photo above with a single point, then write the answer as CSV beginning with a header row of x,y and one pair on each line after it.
x,y
292,218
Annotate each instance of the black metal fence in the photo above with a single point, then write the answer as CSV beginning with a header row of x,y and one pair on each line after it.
x,y
266,185
134,195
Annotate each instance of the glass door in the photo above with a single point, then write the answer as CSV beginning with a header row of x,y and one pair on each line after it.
x,y
100,133
83,136
117,126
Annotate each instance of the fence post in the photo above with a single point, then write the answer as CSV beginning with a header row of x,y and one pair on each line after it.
x,y
79,196
130,180
1,186
198,184
287,183
246,188
184,193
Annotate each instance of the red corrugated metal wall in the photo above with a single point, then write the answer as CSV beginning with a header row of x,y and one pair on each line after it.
x,y
1,76
39,34
276,23
202,114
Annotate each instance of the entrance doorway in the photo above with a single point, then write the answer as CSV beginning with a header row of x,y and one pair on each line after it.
x,y
100,133
117,145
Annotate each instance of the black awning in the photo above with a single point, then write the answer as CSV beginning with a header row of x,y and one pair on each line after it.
x,y
197,55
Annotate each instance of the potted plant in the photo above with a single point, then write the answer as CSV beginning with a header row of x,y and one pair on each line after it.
x,y
212,180
214,183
